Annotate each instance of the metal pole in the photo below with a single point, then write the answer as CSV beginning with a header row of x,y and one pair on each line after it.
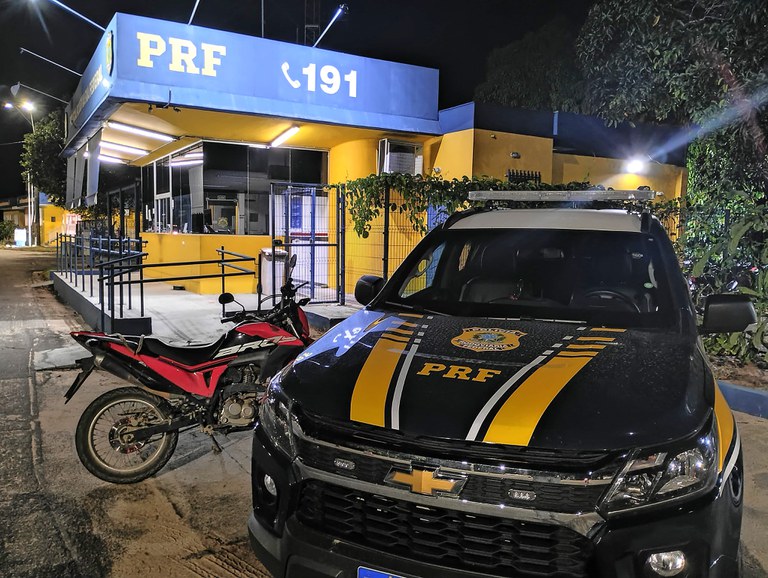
x,y
341,247
312,242
385,258
223,278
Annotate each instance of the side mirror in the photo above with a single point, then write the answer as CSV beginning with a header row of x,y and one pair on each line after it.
x,y
292,261
367,288
226,298
727,314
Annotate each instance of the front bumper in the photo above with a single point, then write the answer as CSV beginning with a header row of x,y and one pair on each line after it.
x,y
707,531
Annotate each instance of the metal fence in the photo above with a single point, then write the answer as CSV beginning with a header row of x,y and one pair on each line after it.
x,y
113,270
307,220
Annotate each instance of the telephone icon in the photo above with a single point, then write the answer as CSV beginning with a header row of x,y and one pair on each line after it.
x,y
291,81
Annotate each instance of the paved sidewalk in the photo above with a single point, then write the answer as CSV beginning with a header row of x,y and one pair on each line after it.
x,y
182,317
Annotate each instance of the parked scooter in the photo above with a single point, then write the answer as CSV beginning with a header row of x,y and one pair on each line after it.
x,y
128,434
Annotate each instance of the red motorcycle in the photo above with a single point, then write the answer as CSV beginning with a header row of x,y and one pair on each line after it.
x,y
127,434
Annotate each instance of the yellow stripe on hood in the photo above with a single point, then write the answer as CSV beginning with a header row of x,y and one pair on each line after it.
x,y
517,419
369,398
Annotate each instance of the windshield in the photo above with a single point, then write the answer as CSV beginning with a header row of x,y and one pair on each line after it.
x,y
599,277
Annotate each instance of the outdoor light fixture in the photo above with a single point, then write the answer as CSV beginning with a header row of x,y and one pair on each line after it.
x,y
339,11
285,136
76,13
635,166
139,131
15,90
8,105
28,106
123,148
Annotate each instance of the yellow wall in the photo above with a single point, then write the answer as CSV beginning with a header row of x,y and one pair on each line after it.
x,y
51,223
166,248
668,179
452,154
492,152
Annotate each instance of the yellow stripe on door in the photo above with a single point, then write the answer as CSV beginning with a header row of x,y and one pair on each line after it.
x,y
517,419
369,398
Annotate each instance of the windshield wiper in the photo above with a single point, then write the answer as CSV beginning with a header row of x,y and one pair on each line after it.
x,y
415,308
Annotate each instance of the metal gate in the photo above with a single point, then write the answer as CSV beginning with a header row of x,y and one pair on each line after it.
x,y
307,220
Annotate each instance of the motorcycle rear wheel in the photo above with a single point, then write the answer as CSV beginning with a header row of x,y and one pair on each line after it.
x,y
101,446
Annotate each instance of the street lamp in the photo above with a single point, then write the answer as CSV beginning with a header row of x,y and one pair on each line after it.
x,y
15,90
29,108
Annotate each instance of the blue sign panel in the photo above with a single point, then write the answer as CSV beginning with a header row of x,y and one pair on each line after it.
x,y
219,70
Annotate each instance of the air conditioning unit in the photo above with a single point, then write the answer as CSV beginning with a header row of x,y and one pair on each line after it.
x,y
400,157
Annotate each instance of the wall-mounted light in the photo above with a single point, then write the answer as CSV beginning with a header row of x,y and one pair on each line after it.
x,y
285,136
635,166
140,131
515,155
123,148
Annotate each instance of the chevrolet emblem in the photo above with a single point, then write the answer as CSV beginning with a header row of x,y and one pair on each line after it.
x,y
427,482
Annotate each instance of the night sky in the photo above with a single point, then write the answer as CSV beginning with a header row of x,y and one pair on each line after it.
x,y
451,35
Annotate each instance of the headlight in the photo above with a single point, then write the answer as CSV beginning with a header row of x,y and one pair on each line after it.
x,y
276,419
651,478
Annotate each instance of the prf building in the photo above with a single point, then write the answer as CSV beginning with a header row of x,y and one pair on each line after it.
x,y
220,125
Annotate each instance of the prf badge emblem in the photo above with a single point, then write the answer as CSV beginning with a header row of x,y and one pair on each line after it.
x,y
488,339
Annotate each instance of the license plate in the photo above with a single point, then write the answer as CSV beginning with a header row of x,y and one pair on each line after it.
x,y
368,573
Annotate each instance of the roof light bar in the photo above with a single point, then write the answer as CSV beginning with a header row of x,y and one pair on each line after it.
x,y
122,148
140,131
560,196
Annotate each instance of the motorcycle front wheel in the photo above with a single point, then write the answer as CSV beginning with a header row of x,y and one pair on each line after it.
x,y
104,443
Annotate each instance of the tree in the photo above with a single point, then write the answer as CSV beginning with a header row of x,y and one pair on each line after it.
x,y
674,60
41,158
538,72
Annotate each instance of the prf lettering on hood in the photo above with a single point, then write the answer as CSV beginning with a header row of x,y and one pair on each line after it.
x,y
183,54
458,372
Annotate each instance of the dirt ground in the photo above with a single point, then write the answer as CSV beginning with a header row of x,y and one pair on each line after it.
x,y
748,375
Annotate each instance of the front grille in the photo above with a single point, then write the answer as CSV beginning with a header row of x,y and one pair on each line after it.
x,y
445,537
481,489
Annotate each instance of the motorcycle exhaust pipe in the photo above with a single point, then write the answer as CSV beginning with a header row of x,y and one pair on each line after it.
x,y
102,361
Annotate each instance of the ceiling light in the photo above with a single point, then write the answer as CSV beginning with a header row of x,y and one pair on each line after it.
x,y
123,148
192,155
112,160
258,145
140,131
186,163
285,136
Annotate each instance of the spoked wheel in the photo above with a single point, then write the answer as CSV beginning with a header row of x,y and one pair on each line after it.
x,y
104,441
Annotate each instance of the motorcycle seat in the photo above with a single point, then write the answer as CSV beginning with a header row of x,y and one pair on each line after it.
x,y
191,354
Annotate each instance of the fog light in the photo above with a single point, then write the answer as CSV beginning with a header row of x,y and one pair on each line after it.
x,y
269,485
667,563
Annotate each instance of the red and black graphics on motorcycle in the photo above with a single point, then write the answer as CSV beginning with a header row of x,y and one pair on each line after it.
x,y
255,336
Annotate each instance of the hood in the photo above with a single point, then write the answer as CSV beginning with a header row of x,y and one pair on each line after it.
x,y
542,384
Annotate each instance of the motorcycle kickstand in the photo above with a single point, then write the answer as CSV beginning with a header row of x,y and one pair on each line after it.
x,y
217,449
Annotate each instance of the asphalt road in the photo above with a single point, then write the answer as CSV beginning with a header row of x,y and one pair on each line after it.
x,y
58,521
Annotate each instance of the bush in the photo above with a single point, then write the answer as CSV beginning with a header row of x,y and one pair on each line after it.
x,y
7,229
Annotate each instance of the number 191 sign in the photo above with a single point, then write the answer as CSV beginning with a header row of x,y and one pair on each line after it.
x,y
330,79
